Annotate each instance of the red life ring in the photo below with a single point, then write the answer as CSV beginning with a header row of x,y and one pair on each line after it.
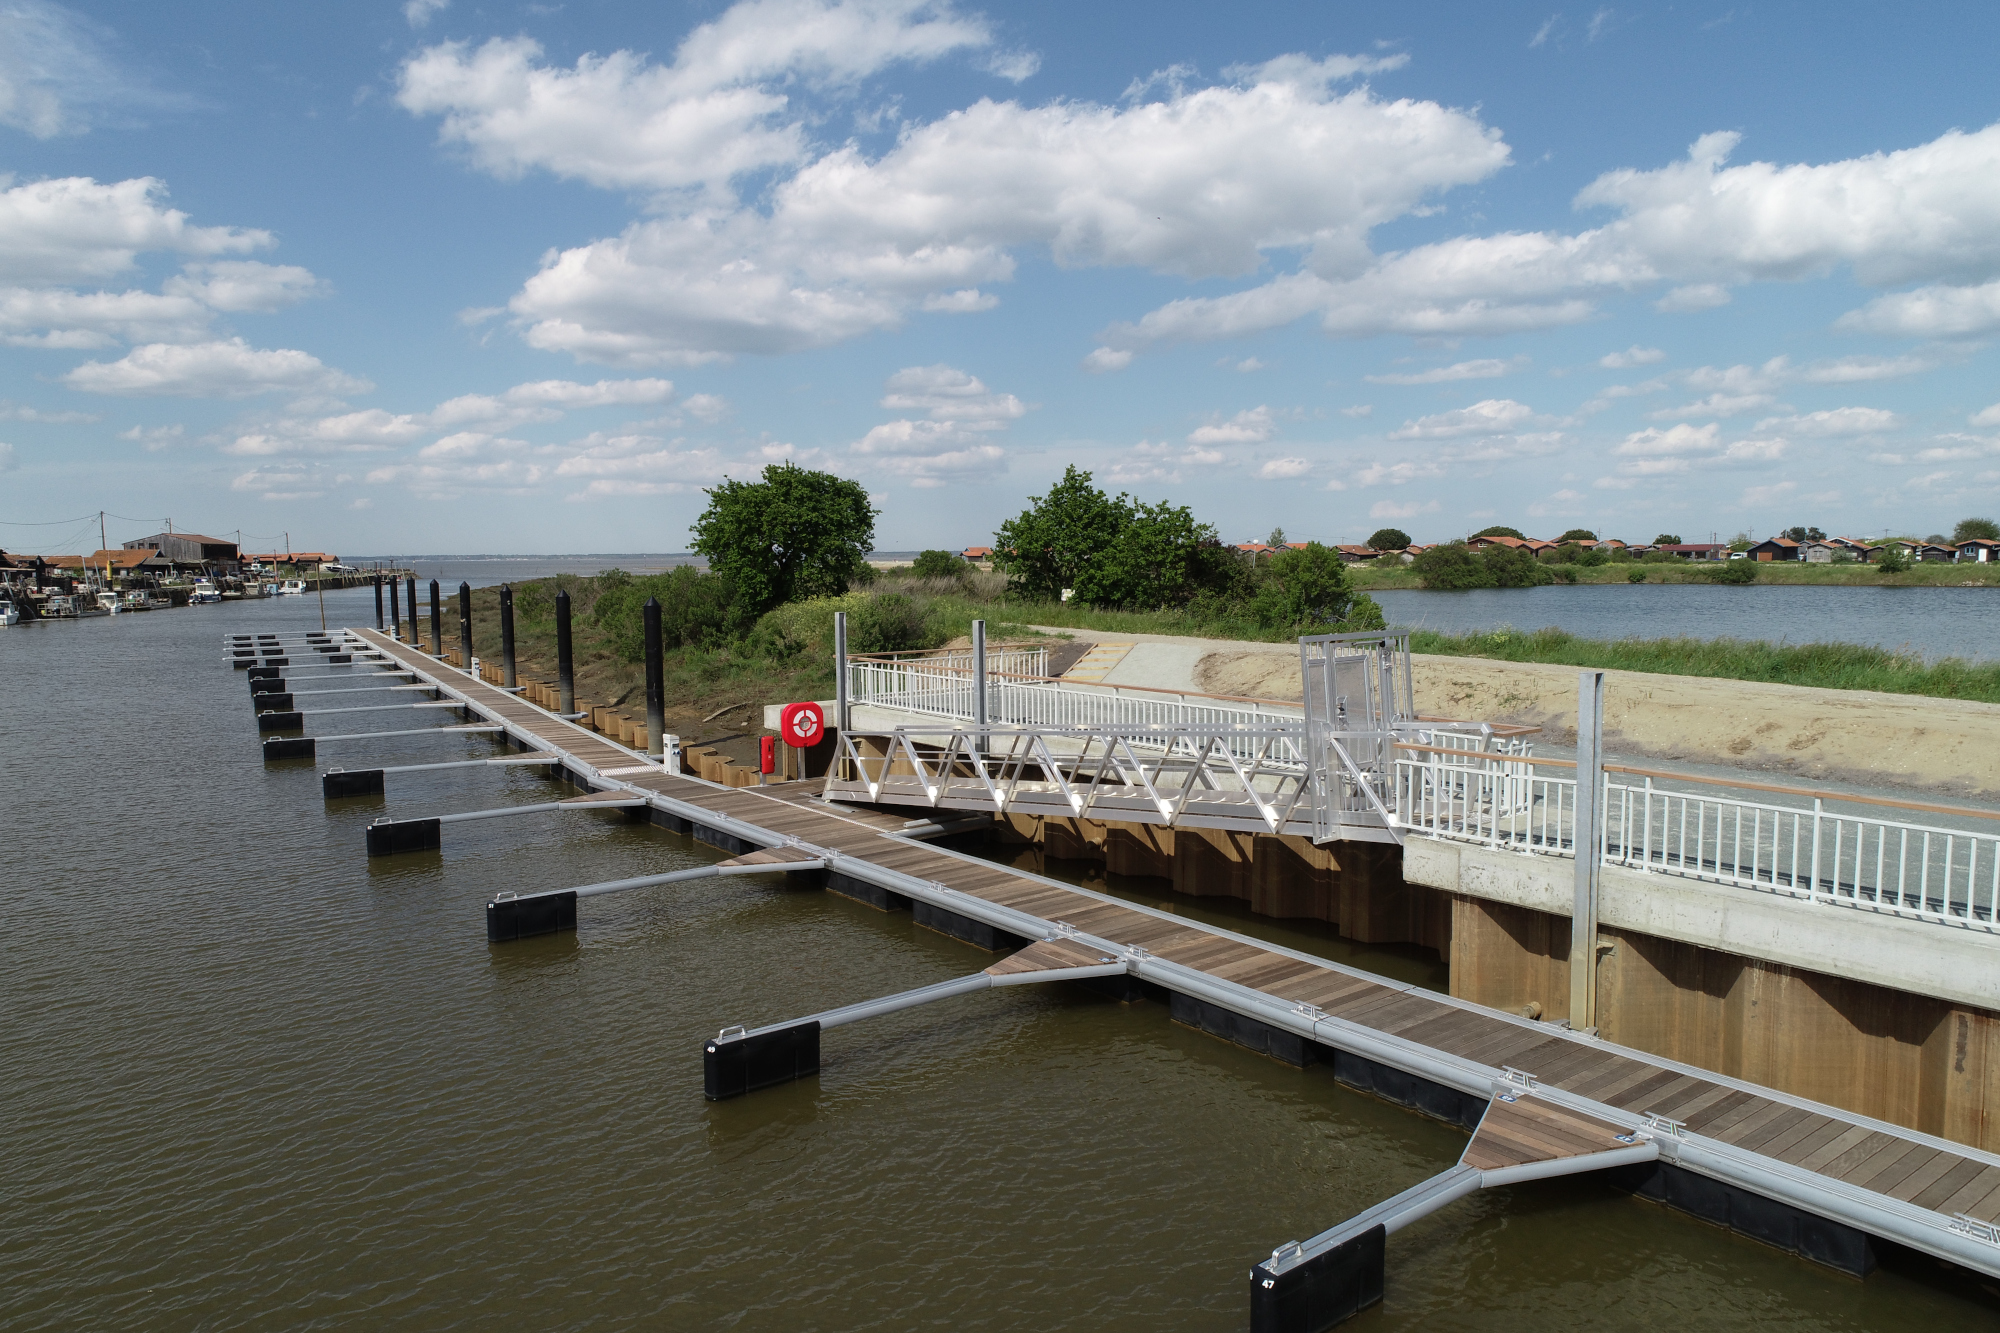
x,y
802,725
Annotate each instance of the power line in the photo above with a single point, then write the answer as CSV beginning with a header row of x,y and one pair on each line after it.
x,y
52,523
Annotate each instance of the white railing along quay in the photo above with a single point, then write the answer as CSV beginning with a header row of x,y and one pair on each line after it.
x,y
1876,862
926,687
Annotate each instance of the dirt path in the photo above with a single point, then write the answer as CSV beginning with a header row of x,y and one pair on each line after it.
x,y
1857,736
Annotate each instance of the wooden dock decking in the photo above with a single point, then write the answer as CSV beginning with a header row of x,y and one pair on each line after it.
x,y
1932,1194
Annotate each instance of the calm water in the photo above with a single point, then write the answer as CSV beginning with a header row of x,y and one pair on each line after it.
x,y
253,1082
1936,622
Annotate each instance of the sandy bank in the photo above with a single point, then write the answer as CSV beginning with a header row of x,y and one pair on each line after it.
x,y
1847,735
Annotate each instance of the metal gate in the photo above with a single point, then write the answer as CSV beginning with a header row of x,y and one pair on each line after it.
x,y
1358,691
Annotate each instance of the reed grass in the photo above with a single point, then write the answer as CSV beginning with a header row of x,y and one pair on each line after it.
x,y
1833,666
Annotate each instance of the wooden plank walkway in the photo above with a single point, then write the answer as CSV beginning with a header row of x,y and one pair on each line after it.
x,y
1899,1172
1518,1129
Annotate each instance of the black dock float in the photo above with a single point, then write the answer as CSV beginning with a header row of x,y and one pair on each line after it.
x,y
339,659
289,747
732,1066
290,720
391,837
1327,1289
276,701
1808,1235
523,918
351,782
1244,1031
266,680
978,934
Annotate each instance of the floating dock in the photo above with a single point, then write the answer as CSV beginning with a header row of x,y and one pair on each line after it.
x,y
1812,1179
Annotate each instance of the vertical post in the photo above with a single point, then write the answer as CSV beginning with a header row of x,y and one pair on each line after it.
x,y
437,622
395,610
378,601
979,684
465,623
565,661
656,681
1589,843
416,637
840,700
507,635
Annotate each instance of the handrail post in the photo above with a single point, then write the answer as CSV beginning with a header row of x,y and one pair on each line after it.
x,y
565,657
656,680
979,690
416,635
437,622
378,603
465,623
507,635
841,721
1588,840
395,610
1812,889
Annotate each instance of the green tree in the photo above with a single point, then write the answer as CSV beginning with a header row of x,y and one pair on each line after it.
x,y
1309,590
795,534
1390,539
1975,529
1451,567
1667,539
1511,568
1276,539
1162,557
1803,534
1893,558
1048,546
1498,531
697,610
939,565
1578,535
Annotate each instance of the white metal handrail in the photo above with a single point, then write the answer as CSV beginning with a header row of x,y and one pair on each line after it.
x,y
1950,876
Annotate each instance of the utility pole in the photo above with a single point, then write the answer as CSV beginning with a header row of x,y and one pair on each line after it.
x,y
105,543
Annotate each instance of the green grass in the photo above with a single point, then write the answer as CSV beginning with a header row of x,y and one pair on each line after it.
x,y
1836,666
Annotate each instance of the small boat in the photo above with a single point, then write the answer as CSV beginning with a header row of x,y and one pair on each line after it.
x,y
138,599
110,603
10,614
292,588
59,606
204,591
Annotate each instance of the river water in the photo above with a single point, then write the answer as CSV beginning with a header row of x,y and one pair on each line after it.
x,y
1933,622
253,1082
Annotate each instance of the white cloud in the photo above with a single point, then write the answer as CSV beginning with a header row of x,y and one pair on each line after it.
x,y
1284,469
71,230
1200,183
1865,369
1986,416
153,438
56,78
1487,368
81,320
15,412
1678,440
419,13
1561,502
1634,355
1683,448
373,429
965,301
1107,358
1397,474
1162,462
1390,509
1836,421
707,408
246,285
231,369
7,460
949,394
1358,410
292,481
623,122
1251,426
949,442
1692,297
1756,496
1929,312
1246,365
1491,416
1928,213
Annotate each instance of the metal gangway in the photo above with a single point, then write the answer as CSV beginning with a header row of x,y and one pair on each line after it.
x,y
1022,743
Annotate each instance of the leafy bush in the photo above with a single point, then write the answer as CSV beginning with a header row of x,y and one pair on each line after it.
x,y
1511,568
1635,576
1390,539
1736,572
1971,529
697,610
1667,539
1161,557
1308,591
1454,567
891,623
1048,546
1578,535
1893,560
939,565
1499,531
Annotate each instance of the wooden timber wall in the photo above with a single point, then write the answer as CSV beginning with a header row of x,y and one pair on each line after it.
x,y
1906,1059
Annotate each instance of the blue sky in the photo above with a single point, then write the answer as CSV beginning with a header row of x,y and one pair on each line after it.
x,y
437,276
